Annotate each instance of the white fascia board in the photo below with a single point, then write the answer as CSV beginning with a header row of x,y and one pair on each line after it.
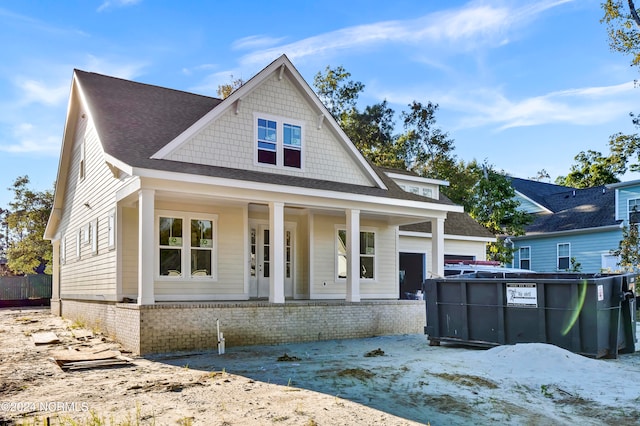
x,y
532,201
265,192
400,176
63,166
446,236
245,90
570,232
615,204
623,184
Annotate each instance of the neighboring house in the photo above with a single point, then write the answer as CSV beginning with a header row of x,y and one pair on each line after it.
x,y
173,211
579,225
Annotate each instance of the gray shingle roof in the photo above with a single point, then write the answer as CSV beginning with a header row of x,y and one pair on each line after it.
x,y
571,208
135,120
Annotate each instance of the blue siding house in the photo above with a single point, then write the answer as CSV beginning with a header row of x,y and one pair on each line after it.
x,y
573,229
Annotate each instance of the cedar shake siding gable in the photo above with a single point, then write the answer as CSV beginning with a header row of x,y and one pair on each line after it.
x,y
136,120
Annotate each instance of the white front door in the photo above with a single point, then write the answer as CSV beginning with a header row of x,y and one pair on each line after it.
x,y
260,264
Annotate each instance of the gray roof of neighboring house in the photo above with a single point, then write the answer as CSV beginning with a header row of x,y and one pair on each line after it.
x,y
537,191
571,208
135,120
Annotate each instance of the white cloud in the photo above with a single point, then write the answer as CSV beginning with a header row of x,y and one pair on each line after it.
x,y
582,106
34,91
126,69
255,42
117,3
475,24
30,138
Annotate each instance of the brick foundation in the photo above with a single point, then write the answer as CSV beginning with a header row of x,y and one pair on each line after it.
x,y
168,327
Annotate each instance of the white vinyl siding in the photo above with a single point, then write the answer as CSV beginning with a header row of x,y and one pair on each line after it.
x,y
326,285
89,271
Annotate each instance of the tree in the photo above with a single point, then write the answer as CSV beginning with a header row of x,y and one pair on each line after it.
x,y
629,248
541,175
29,212
622,28
337,92
427,147
225,90
494,206
593,169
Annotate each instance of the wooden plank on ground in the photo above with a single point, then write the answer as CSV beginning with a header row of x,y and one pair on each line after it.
x,y
45,338
62,357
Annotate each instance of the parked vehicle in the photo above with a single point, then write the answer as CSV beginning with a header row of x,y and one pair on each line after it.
x,y
452,268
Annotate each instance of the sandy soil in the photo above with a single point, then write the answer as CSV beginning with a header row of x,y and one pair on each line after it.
x,y
396,380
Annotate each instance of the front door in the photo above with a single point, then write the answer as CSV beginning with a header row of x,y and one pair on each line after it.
x,y
260,265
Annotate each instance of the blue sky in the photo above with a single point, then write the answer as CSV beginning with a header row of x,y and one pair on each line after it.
x,y
525,85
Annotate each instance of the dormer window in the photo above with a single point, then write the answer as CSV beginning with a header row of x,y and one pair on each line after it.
x,y
279,141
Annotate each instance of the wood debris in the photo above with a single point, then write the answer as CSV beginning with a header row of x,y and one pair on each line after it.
x,y
45,338
76,359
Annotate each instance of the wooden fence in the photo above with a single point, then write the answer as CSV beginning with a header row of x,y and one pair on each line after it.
x,y
28,290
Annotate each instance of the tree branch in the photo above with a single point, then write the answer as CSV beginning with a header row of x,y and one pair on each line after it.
x,y
634,13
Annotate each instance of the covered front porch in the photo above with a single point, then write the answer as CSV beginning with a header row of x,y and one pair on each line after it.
x,y
265,245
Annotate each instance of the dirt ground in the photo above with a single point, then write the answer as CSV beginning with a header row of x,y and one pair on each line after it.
x,y
395,380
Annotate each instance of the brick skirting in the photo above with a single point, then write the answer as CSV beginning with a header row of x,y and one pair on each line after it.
x,y
166,327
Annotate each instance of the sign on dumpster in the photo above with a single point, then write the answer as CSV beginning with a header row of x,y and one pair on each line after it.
x,y
522,295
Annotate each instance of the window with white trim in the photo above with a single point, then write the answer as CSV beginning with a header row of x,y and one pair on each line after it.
x,y
83,161
86,234
564,256
427,192
278,141
367,254
111,232
94,237
186,246
78,243
525,257
634,210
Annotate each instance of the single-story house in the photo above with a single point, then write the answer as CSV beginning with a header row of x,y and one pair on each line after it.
x,y
572,229
175,211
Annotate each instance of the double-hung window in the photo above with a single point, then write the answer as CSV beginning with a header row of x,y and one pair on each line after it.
x,y
267,142
634,210
564,255
279,141
367,254
186,246
525,257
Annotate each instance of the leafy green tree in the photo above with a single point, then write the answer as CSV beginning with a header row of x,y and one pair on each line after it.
x,y
337,92
429,150
592,169
27,219
629,248
622,26
225,90
493,205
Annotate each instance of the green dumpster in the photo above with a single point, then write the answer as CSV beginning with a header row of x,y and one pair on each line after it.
x,y
589,314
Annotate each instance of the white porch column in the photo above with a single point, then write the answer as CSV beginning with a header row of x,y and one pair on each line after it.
x,y
353,255
146,246
55,279
276,252
437,246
